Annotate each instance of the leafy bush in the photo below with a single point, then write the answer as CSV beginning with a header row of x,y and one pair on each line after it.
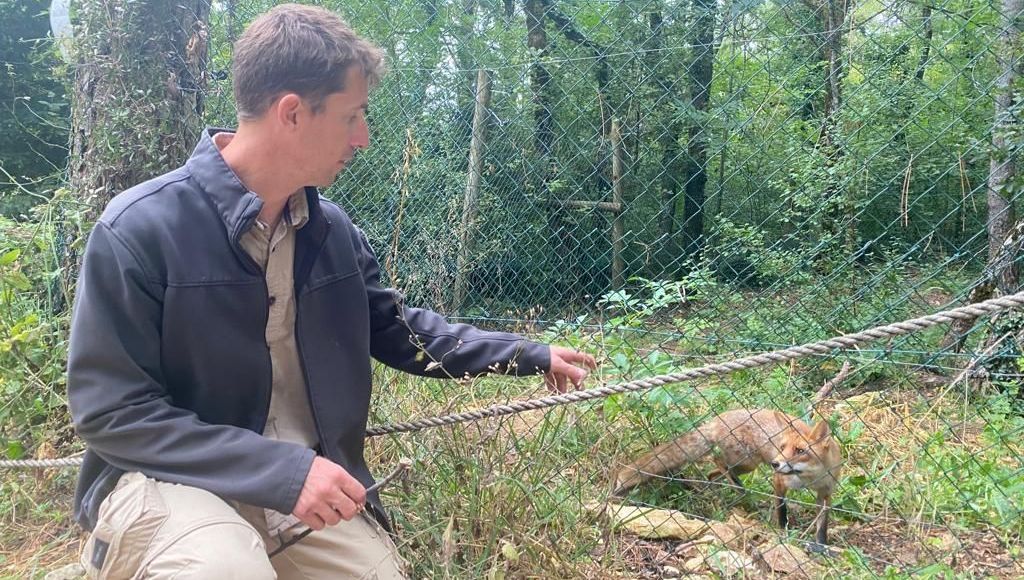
x,y
33,337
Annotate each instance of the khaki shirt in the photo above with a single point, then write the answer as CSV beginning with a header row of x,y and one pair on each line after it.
x,y
290,418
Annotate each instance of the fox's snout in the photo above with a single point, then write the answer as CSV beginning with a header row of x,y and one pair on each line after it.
x,y
782,467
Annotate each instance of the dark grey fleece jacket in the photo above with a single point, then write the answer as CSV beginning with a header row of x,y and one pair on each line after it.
x,y
169,372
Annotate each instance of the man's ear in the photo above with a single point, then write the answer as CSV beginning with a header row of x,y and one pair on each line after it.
x,y
286,110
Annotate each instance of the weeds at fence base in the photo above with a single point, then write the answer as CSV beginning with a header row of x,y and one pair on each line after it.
x,y
927,491
924,490
36,530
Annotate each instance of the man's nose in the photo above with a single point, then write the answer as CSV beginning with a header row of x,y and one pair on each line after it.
x,y
361,136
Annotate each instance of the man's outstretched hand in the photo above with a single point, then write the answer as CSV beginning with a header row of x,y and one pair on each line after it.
x,y
568,366
329,495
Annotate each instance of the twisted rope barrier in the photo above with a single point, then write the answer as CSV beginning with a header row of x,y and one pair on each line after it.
x,y
843,342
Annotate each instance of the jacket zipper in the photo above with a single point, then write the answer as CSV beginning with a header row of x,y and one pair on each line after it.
x,y
262,426
298,345
254,267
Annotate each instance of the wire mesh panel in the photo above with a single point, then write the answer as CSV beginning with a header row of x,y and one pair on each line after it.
x,y
672,184
668,184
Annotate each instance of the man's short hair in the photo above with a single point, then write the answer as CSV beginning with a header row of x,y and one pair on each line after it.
x,y
298,49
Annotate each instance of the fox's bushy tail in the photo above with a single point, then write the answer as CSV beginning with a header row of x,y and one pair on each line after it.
x,y
665,458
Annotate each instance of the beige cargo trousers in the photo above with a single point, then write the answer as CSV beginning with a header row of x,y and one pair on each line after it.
x,y
154,529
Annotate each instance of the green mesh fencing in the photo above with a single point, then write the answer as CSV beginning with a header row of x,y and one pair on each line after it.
x,y
668,184
672,184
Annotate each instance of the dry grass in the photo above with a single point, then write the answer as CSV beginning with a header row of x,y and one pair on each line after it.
x,y
36,531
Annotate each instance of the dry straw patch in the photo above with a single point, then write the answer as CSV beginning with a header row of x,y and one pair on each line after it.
x,y
900,426
36,533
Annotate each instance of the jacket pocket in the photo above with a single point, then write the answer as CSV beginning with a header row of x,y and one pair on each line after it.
x,y
128,520
318,283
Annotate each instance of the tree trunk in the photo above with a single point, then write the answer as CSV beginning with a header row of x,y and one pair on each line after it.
x,y
926,40
540,80
137,103
1005,237
602,77
723,156
667,131
467,63
231,9
473,179
544,138
701,74
838,220
1002,167
956,335
139,83
618,223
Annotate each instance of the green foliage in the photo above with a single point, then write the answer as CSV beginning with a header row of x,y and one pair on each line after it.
x,y
33,108
32,338
779,206
747,256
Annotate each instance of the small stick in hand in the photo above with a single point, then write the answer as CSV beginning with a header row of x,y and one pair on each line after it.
x,y
404,465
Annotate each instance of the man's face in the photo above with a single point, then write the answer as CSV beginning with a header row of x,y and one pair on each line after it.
x,y
331,136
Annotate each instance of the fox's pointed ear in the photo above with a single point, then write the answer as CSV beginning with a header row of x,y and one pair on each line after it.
x,y
782,418
820,431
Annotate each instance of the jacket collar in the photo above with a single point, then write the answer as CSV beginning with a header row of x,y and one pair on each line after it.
x,y
236,205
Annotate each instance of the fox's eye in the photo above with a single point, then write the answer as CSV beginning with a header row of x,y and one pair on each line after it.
x,y
800,450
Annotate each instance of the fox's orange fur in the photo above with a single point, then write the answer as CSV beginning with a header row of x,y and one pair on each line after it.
x,y
801,456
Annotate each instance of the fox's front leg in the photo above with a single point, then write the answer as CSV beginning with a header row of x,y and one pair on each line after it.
x,y
721,469
824,507
781,516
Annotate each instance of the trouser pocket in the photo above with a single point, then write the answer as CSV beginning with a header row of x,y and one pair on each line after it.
x,y
128,520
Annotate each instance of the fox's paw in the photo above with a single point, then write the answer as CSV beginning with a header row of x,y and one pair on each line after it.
x,y
819,549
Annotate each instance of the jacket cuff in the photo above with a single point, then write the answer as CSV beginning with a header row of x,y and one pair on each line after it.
x,y
303,463
534,359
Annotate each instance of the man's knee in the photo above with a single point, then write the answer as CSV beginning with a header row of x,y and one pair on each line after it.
x,y
359,548
152,529
216,549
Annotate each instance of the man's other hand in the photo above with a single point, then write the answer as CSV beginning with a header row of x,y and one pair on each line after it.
x,y
329,495
568,366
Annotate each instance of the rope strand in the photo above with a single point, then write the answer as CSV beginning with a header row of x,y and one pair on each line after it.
x,y
843,342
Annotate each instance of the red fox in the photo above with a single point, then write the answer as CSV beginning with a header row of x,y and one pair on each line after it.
x,y
801,456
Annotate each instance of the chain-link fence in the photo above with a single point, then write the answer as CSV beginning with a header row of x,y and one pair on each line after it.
x,y
672,184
